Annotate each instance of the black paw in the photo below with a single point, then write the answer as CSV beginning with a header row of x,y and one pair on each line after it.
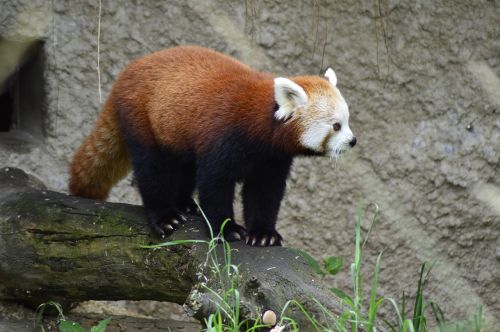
x,y
233,232
264,239
166,226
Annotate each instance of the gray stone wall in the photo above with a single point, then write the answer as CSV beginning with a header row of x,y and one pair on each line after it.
x,y
422,81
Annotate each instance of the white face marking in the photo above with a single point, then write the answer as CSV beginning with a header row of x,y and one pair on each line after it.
x,y
314,136
319,119
340,141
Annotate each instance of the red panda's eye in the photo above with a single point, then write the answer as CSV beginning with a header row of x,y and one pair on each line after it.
x,y
336,126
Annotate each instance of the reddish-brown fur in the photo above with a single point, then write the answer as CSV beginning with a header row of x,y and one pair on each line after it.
x,y
101,161
179,98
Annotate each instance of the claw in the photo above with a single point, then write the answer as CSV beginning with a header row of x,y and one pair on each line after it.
x,y
168,227
271,238
158,230
175,222
234,232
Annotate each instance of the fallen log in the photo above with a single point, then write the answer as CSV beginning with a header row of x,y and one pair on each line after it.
x,y
55,247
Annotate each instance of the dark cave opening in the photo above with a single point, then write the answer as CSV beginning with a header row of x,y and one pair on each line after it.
x,y
22,93
6,111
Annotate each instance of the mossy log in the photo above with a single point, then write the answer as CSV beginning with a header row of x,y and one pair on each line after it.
x,y
68,249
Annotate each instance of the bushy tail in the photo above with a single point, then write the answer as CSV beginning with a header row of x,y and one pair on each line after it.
x,y
101,161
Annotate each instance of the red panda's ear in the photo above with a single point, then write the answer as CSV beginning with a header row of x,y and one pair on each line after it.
x,y
332,77
288,95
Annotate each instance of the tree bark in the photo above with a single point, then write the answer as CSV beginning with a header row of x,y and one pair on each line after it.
x,y
55,247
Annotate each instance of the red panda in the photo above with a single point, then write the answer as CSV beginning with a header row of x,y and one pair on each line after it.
x,y
189,118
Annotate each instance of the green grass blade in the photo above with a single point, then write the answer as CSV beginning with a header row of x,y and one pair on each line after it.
x,y
101,326
222,305
312,320
257,325
478,319
389,325
419,301
408,326
313,263
373,308
398,313
205,219
438,315
236,310
327,315
403,308
372,223
356,270
344,319
227,258
423,323
343,296
292,324
41,309
39,316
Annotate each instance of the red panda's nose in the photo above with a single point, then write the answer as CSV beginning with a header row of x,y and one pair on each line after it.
x,y
352,142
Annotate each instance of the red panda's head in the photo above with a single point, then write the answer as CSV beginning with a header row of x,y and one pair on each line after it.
x,y
316,107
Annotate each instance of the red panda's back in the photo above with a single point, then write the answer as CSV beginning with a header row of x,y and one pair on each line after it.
x,y
181,97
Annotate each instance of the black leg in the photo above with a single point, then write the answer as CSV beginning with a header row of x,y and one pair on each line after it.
x,y
263,191
216,194
158,174
185,202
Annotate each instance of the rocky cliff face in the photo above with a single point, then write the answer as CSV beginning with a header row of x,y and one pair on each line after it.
x,y
423,84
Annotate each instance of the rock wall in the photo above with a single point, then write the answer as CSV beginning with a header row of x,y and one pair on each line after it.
x,y
422,81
